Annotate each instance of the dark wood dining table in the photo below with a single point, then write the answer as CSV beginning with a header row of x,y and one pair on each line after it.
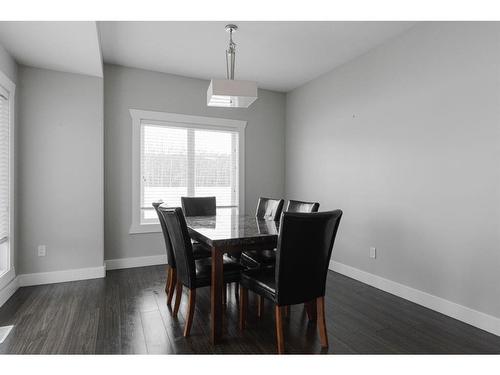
x,y
229,233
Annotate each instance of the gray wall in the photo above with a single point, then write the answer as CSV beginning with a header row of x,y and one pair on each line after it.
x,y
7,65
126,88
60,151
406,140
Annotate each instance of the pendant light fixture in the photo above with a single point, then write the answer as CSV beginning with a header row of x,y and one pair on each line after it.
x,y
230,92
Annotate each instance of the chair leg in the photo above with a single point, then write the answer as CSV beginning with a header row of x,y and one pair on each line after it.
x,y
260,305
237,291
189,320
178,295
311,310
173,283
169,278
224,295
279,329
287,311
323,336
243,307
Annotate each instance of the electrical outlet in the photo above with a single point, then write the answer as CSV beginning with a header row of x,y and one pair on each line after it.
x,y
42,250
373,252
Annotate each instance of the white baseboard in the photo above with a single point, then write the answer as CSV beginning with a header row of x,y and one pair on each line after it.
x,y
153,260
40,278
467,315
9,290
29,279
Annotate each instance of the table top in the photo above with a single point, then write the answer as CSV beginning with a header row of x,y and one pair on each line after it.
x,y
233,231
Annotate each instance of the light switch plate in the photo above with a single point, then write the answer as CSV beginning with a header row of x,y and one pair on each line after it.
x,y
373,252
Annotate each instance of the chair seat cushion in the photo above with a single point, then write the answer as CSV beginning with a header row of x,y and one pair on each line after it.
x,y
261,281
232,271
262,258
200,251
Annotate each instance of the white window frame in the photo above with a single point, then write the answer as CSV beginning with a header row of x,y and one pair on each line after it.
x,y
197,122
10,87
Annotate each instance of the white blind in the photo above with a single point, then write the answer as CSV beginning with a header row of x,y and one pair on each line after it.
x,y
4,165
184,161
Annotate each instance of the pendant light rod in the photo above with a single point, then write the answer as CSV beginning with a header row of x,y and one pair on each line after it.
x,y
230,52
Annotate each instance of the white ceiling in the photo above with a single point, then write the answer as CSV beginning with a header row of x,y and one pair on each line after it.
x,y
278,55
64,46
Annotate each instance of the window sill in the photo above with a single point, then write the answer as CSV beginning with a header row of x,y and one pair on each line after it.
x,y
144,228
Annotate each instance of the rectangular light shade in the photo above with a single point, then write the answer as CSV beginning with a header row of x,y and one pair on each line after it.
x,y
231,93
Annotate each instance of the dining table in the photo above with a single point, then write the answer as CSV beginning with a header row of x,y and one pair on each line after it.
x,y
226,233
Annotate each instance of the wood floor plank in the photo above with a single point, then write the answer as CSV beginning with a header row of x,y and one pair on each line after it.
x,y
131,329
83,337
109,332
157,341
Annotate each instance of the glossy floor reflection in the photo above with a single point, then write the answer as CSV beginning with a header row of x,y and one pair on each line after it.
x,y
126,313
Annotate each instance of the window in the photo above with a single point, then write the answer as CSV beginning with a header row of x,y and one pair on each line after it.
x,y
181,161
179,155
6,179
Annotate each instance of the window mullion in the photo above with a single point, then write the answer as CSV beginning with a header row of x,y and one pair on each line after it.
x,y
141,169
234,170
191,162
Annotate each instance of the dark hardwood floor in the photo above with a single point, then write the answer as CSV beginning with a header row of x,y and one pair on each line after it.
x,y
126,313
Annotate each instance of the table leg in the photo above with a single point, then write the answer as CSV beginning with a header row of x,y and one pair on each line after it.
x,y
216,295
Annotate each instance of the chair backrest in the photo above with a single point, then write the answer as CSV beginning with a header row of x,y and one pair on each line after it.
x,y
304,249
168,245
181,244
199,206
269,209
299,206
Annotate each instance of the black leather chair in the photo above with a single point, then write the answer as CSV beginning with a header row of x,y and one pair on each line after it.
x,y
304,250
199,252
299,206
202,206
191,273
199,206
269,209
267,258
